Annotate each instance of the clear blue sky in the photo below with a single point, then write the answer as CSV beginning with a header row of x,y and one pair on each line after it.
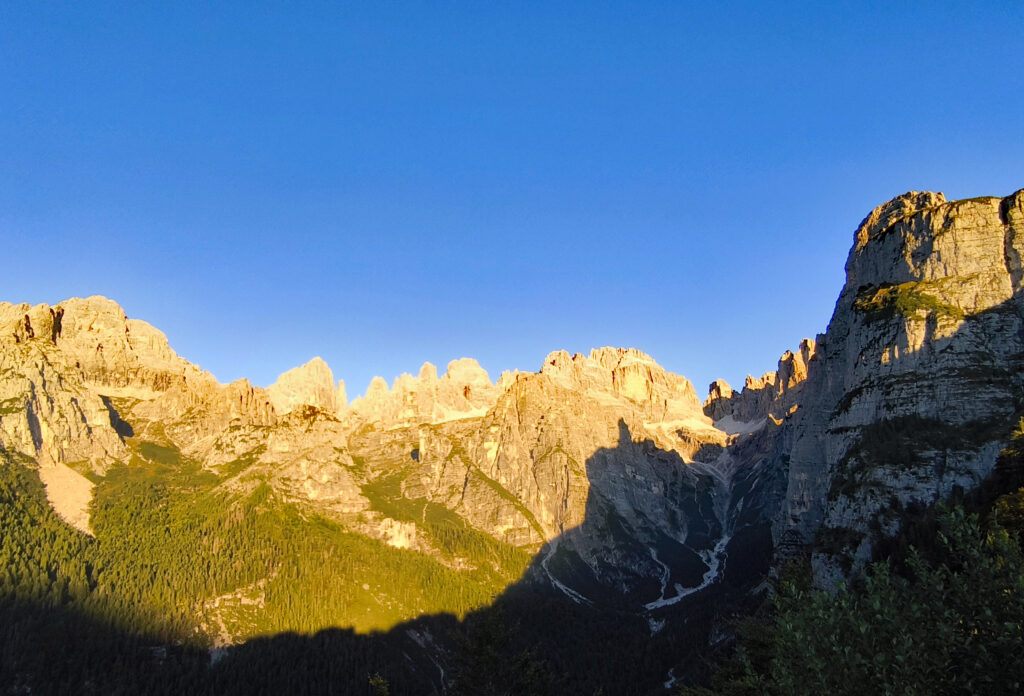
x,y
385,183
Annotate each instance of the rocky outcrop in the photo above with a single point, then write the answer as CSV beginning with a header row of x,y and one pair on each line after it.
x,y
719,403
577,461
311,384
464,391
51,416
303,458
918,377
626,375
68,364
73,378
195,412
115,355
48,413
772,396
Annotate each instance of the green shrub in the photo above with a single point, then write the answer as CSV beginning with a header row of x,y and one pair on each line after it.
x,y
953,625
907,300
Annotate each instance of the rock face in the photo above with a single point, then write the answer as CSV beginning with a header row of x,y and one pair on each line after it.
x,y
73,360
465,391
918,378
626,375
774,395
72,376
50,413
120,356
538,439
311,384
719,404
910,393
574,461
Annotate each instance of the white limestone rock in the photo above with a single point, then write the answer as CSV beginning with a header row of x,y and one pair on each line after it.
x,y
925,347
311,384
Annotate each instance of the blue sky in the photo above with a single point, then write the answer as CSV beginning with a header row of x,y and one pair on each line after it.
x,y
386,183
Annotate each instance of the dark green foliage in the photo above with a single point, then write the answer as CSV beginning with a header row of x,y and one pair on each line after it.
x,y
237,466
1009,513
745,672
840,542
63,624
941,611
333,662
953,625
488,665
1006,485
161,454
192,542
379,685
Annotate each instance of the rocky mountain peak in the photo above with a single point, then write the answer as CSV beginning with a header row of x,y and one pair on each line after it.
x,y
768,379
719,389
886,215
428,372
464,391
508,378
341,396
919,249
793,366
311,384
718,405
467,371
76,359
625,373
773,395
122,356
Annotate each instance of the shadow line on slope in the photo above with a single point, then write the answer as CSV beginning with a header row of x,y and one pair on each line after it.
x,y
576,646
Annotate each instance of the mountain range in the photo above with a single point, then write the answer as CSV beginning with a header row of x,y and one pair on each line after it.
x,y
597,499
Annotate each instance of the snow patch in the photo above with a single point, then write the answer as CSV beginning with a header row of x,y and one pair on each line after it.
x,y
731,426
692,423
427,644
672,678
715,560
566,590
